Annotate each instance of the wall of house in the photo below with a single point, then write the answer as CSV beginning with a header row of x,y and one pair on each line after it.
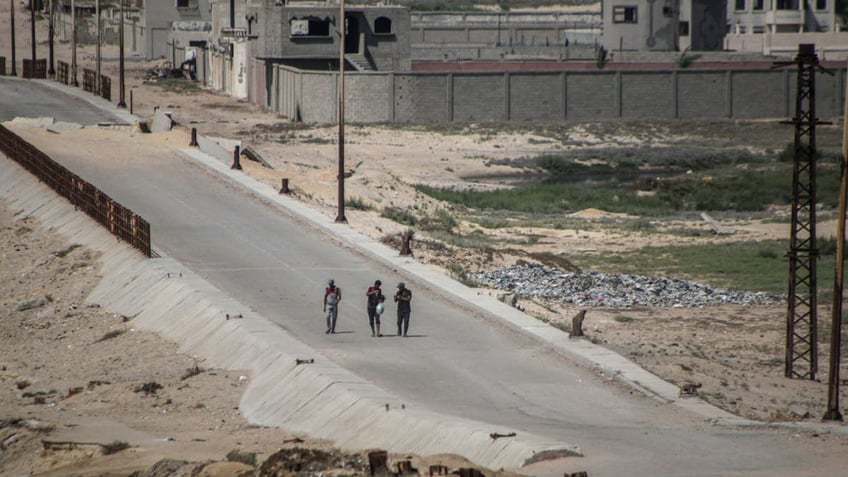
x,y
483,29
644,27
155,20
273,27
581,95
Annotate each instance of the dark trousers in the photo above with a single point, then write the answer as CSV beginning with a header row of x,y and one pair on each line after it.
x,y
403,322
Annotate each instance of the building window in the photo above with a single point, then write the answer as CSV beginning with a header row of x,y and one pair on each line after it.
x,y
787,4
185,3
624,14
740,5
821,4
383,26
683,28
759,5
310,27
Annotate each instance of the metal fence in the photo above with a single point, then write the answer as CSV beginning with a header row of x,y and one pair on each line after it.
x,y
35,69
119,220
63,72
89,81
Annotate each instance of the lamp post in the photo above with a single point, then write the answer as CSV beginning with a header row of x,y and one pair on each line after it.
x,y
12,10
50,70
97,51
32,31
121,102
341,214
74,43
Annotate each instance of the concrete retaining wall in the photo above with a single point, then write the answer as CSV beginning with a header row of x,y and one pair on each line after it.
x,y
417,97
321,399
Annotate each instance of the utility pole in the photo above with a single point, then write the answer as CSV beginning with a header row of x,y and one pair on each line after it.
x,y
833,413
50,70
74,81
801,321
12,10
32,32
97,52
121,102
342,30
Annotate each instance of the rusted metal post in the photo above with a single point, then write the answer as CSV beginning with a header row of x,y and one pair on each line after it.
x,y
193,142
236,161
377,462
131,101
284,186
577,324
406,242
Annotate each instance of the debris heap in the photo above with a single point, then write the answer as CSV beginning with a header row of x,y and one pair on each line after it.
x,y
613,290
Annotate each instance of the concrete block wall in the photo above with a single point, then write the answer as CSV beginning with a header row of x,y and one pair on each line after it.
x,y
536,96
479,97
420,97
647,95
697,93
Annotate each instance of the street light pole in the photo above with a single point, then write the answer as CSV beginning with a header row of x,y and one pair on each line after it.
x,y
341,26
14,60
121,102
74,81
97,52
50,70
32,31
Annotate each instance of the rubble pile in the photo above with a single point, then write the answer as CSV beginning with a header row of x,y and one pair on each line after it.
x,y
613,290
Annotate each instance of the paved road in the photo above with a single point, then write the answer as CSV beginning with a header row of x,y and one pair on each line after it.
x,y
456,361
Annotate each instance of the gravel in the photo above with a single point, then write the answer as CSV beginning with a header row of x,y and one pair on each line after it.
x,y
614,290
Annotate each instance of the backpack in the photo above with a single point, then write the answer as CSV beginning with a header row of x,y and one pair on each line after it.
x,y
332,296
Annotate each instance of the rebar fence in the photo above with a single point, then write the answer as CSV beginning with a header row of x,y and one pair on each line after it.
x,y
35,69
119,220
63,72
89,83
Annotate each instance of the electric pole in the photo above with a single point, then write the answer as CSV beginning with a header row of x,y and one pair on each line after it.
x,y
342,30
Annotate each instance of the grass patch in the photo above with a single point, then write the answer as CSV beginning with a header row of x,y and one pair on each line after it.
x,y
622,319
753,266
357,203
399,215
460,274
236,455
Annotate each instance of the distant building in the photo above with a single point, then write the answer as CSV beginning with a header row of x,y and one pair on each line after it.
x,y
663,25
752,26
248,38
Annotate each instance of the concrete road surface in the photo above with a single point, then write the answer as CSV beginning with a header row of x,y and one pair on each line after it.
x,y
457,361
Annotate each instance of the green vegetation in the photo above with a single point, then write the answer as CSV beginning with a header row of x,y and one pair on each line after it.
x,y
757,266
649,182
357,203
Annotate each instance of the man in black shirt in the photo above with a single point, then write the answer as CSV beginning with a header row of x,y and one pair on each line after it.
x,y
403,297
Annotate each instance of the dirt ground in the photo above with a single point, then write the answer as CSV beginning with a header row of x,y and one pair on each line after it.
x,y
67,368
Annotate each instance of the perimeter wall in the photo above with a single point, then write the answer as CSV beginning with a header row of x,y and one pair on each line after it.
x,y
417,97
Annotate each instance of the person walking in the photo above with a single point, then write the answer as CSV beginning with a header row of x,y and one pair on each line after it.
x,y
332,298
375,298
403,297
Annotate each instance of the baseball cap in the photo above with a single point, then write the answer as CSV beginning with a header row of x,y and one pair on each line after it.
x,y
401,285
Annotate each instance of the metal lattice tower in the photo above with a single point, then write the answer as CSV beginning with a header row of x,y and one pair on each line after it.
x,y
801,332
